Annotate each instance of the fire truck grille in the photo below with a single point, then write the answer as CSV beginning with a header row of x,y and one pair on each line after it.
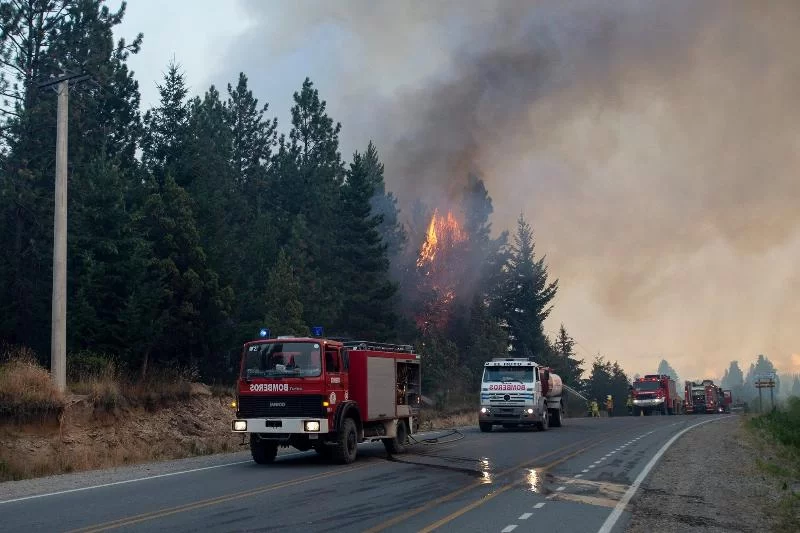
x,y
281,407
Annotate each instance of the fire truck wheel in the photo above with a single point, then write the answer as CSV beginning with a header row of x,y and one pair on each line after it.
x,y
346,447
263,451
397,444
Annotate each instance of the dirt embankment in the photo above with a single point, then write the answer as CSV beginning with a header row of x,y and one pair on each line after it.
x,y
87,436
713,479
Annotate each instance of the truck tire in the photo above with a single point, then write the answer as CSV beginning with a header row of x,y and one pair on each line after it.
x,y
346,448
398,444
544,425
263,451
555,418
485,427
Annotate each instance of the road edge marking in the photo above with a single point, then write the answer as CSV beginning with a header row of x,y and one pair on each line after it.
x,y
612,519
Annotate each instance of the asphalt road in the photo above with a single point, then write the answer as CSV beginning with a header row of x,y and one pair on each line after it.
x,y
565,479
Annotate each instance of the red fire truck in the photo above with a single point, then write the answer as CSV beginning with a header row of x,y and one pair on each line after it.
x,y
326,394
655,393
704,397
727,400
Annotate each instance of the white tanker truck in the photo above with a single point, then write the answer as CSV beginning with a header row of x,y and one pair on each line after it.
x,y
519,392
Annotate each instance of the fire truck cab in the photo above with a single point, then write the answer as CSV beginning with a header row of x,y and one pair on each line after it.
x,y
326,394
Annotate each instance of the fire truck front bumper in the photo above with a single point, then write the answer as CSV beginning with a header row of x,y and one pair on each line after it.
x,y
509,414
290,426
648,403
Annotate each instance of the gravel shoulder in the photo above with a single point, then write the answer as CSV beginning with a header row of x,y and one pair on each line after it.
x,y
707,481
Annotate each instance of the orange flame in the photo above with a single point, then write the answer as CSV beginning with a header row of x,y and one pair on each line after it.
x,y
440,268
443,233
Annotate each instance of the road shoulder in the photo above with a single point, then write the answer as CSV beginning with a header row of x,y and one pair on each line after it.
x,y
707,481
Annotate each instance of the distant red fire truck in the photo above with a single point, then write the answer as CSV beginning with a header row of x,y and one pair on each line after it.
x,y
326,394
704,397
656,393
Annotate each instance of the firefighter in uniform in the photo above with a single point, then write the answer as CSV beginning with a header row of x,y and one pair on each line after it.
x,y
629,404
595,409
609,405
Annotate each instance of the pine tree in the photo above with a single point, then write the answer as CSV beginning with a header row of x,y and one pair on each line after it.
x,y
285,311
167,130
308,173
253,140
367,292
102,242
190,301
527,295
384,204
565,363
664,368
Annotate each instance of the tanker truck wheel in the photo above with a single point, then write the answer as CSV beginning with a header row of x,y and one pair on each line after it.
x,y
346,447
397,445
263,451
545,423
555,418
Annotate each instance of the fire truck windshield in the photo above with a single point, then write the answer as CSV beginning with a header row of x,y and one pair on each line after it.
x,y
646,385
277,359
508,373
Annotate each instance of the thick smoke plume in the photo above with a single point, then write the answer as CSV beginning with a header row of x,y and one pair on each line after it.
x,y
654,145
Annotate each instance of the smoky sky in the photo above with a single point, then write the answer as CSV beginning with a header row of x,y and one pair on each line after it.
x,y
653,146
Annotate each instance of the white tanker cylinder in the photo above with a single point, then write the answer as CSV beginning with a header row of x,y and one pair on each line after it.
x,y
551,384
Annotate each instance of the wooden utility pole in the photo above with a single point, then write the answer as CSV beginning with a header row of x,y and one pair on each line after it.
x,y
58,333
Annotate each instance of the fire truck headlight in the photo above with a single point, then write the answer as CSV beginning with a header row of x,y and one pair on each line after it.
x,y
311,425
240,425
530,411
484,410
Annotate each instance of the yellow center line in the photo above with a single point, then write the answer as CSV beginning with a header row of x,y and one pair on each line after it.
x,y
135,519
433,503
501,490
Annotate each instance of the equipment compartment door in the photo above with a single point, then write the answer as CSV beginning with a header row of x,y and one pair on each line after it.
x,y
380,388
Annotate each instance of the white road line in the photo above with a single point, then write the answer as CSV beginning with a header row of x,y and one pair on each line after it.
x,y
597,462
578,475
608,525
539,505
136,480
509,529
592,466
562,487
525,516
585,470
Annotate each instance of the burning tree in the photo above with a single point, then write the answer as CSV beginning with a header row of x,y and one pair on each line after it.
x,y
439,270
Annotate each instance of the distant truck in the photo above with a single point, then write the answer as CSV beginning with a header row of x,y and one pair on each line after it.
x,y
656,393
519,392
703,397
727,400
327,395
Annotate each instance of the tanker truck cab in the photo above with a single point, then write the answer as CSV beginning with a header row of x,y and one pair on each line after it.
x,y
519,392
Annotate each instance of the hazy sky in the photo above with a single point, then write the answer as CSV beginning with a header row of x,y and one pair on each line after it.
x,y
653,145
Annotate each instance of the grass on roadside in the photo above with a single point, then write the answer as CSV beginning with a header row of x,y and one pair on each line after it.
x,y
780,431
26,391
